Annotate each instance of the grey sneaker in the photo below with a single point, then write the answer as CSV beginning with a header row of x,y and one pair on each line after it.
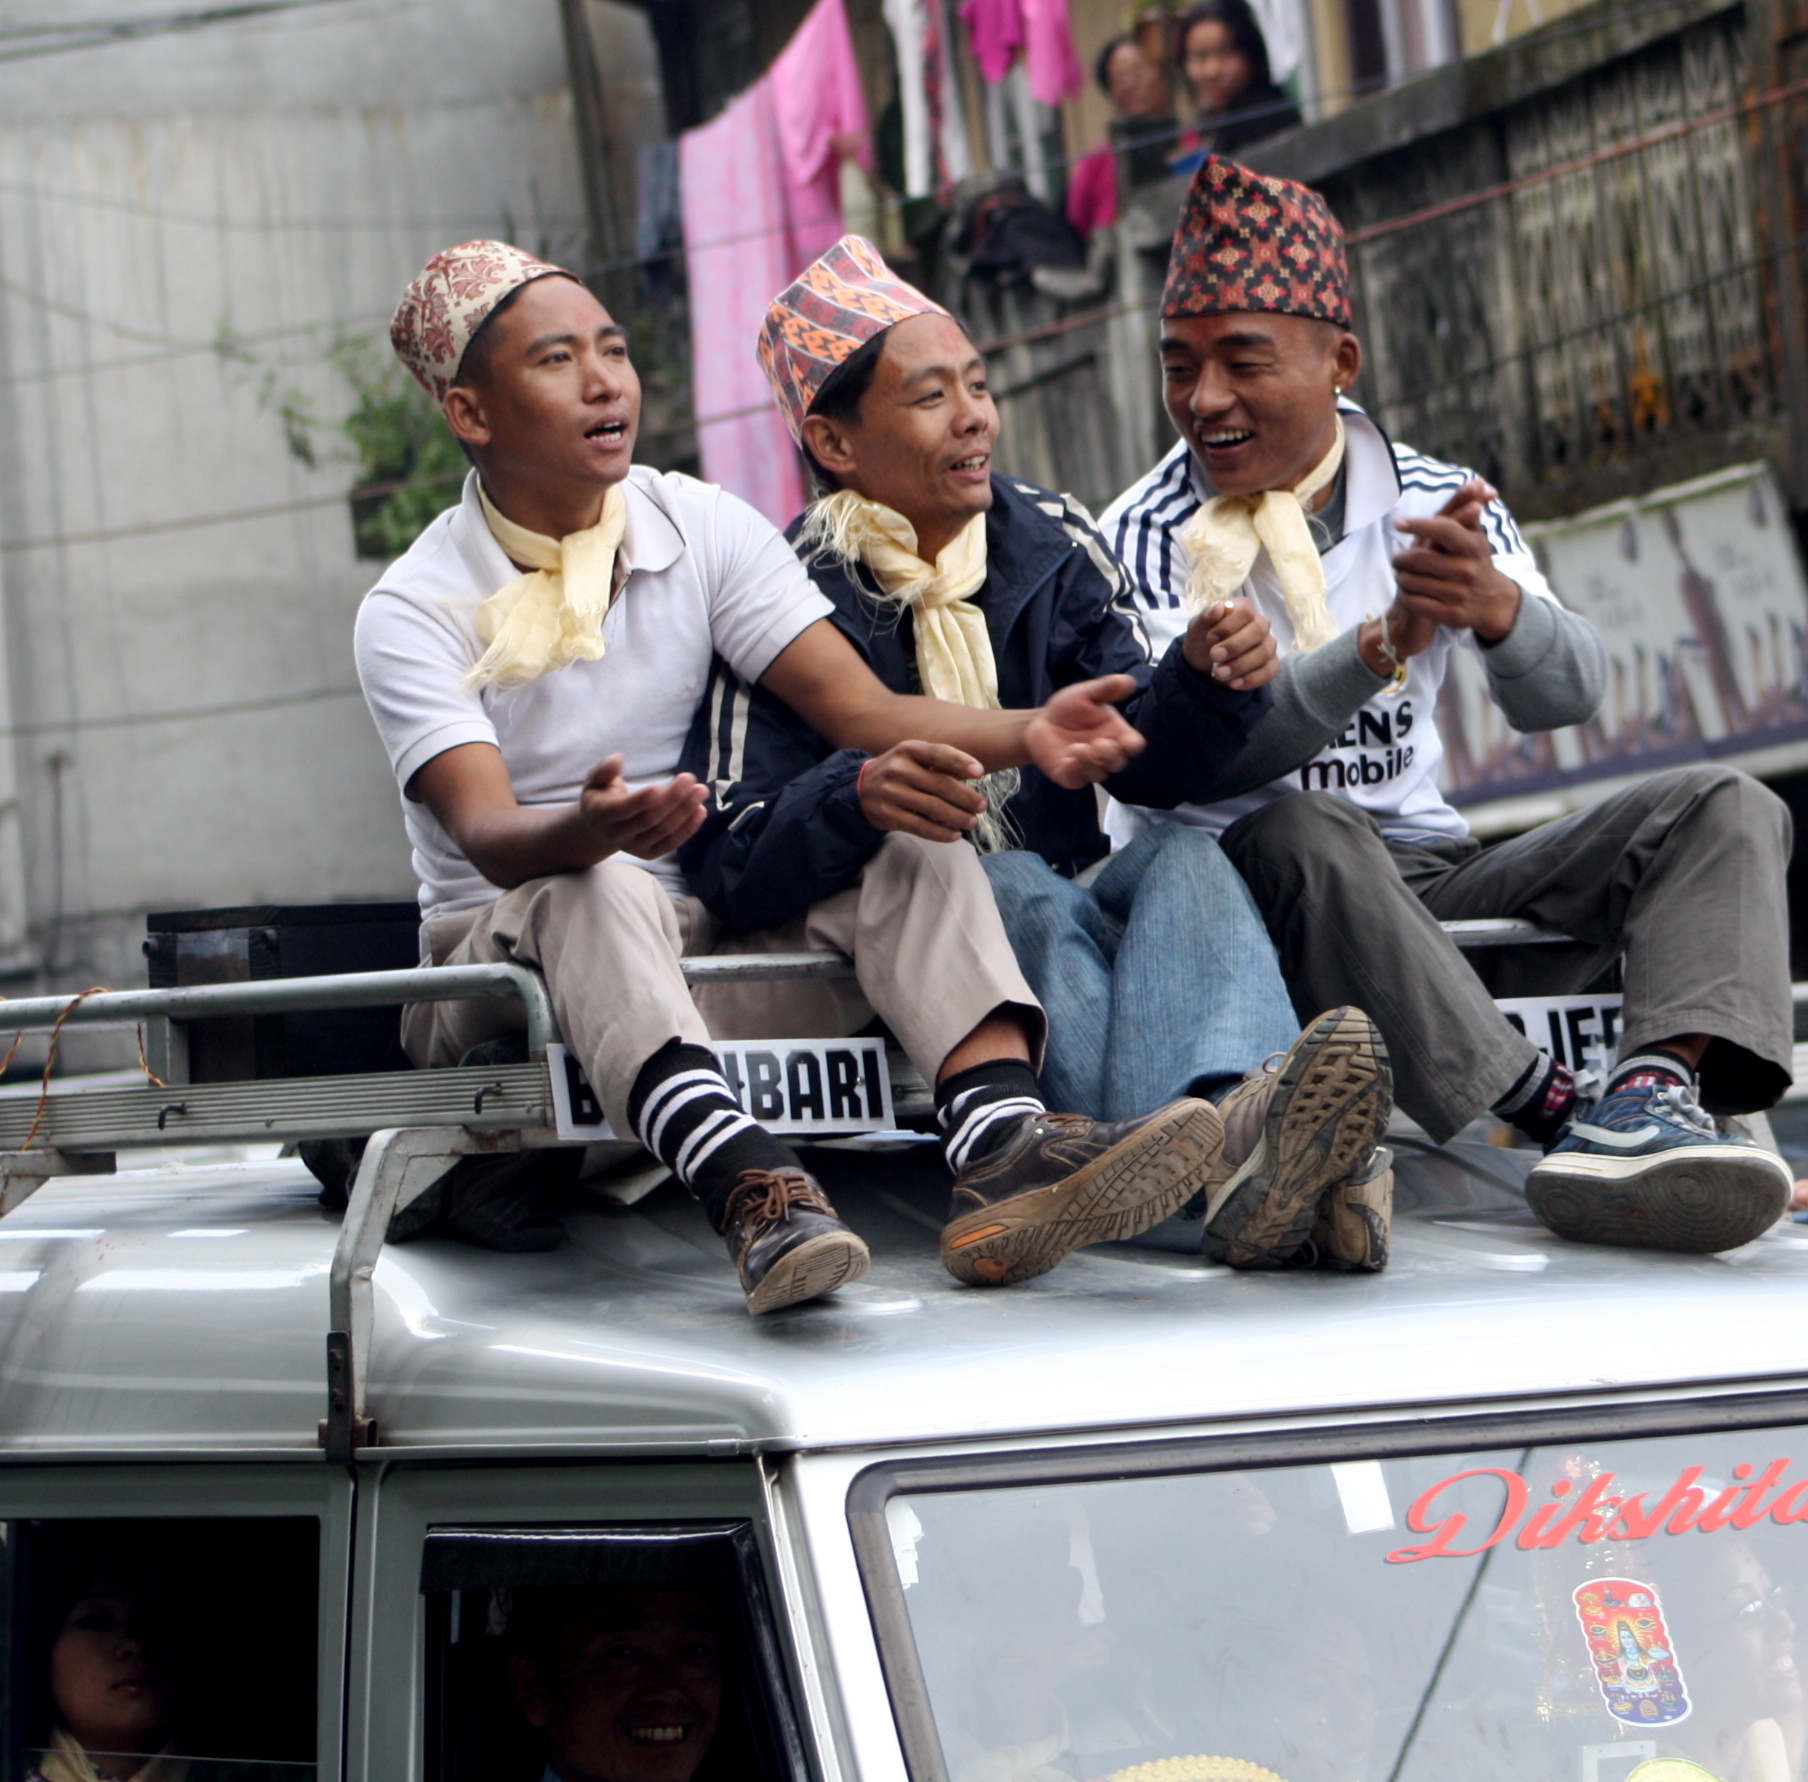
x,y
1354,1219
1306,1119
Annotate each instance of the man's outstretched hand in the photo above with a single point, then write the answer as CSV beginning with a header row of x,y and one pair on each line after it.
x,y
1232,644
648,823
1080,737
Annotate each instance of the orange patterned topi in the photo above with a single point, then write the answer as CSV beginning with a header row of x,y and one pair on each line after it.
x,y
814,326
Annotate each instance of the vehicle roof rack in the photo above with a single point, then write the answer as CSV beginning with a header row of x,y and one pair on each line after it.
x,y
418,1123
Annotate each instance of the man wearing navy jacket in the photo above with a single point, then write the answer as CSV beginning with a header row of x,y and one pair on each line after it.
x,y
1155,969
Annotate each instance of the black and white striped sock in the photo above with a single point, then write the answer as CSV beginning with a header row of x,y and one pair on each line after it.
x,y
685,1113
978,1109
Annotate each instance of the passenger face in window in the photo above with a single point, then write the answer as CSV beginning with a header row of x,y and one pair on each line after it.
x,y
627,1685
110,1689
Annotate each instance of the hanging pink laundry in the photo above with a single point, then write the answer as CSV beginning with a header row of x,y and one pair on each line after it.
x,y
1092,191
995,33
760,201
821,111
1048,51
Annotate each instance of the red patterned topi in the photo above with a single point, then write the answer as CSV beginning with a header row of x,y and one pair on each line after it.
x,y
1247,241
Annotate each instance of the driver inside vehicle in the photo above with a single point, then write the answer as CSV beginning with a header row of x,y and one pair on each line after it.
x,y
112,1694
625,1683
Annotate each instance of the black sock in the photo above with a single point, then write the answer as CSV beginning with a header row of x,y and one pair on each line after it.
x,y
1542,1099
685,1113
978,1109
1656,1065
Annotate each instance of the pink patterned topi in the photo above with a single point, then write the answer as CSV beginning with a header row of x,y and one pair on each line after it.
x,y
451,299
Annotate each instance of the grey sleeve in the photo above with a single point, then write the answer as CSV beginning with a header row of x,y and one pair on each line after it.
x,y
1315,697
1549,670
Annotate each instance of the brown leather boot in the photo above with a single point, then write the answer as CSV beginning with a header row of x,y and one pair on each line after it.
x,y
786,1241
1292,1129
1062,1181
1355,1217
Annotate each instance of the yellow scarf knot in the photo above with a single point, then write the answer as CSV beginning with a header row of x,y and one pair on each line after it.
x,y
954,647
552,615
1226,535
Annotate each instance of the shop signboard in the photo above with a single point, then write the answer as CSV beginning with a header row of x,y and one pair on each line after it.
x,y
1698,594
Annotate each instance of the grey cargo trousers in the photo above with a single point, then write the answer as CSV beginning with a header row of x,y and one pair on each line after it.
x,y
1680,876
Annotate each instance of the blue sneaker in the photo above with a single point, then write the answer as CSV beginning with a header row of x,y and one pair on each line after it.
x,y
1647,1167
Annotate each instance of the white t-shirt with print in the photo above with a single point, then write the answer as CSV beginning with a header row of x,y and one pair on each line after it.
x,y
706,576
1388,757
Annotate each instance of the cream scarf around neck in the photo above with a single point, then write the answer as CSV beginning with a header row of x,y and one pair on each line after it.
x,y
954,648
66,1761
554,613
1226,535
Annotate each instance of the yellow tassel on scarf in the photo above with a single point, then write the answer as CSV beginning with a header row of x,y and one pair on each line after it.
x,y
66,1761
954,648
1228,532
554,614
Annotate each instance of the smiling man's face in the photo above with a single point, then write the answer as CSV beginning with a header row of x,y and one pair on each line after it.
x,y
922,444
1255,395
634,1691
557,401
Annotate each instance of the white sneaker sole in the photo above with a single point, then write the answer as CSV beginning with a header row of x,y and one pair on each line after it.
x,y
1697,1199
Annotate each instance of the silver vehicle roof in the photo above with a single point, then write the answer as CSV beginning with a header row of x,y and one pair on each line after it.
x,y
183,1310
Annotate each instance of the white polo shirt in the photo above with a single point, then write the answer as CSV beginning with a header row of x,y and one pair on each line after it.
x,y
706,576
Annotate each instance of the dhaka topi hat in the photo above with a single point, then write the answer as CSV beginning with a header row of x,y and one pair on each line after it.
x,y
1248,241
814,326
453,295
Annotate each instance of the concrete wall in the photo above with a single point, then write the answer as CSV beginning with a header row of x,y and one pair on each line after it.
x,y
178,586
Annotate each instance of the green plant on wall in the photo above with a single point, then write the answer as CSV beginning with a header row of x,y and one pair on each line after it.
x,y
408,462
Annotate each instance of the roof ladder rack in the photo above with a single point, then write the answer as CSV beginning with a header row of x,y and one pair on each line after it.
x,y
418,1123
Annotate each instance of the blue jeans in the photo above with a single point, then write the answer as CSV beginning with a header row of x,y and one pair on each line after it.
x,y
1158,977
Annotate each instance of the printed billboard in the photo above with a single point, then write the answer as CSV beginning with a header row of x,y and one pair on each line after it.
x,y
1698,594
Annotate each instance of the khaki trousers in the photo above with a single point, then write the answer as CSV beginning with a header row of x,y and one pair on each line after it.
x,y
931,960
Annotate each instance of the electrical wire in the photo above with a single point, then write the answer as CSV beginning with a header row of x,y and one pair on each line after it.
x,y
33,41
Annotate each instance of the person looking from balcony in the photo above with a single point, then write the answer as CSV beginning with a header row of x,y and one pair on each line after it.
x,y
948,576
534,663
1223,60
1141,135
1374,562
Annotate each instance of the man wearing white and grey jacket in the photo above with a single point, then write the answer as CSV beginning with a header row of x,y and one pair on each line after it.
x,y
1373,563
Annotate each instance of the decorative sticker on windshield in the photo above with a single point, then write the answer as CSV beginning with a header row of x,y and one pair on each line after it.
x,y
1634,1658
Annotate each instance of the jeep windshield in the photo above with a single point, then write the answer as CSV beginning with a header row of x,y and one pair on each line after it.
x,y
1536,1614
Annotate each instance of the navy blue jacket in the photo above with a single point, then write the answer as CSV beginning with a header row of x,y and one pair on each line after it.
x,y
785,829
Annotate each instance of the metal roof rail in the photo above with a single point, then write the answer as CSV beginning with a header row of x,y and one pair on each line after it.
x,y
418,1123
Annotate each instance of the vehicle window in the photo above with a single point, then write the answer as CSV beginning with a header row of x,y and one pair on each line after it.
x,y
603,1655
163,1650
1577,1613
